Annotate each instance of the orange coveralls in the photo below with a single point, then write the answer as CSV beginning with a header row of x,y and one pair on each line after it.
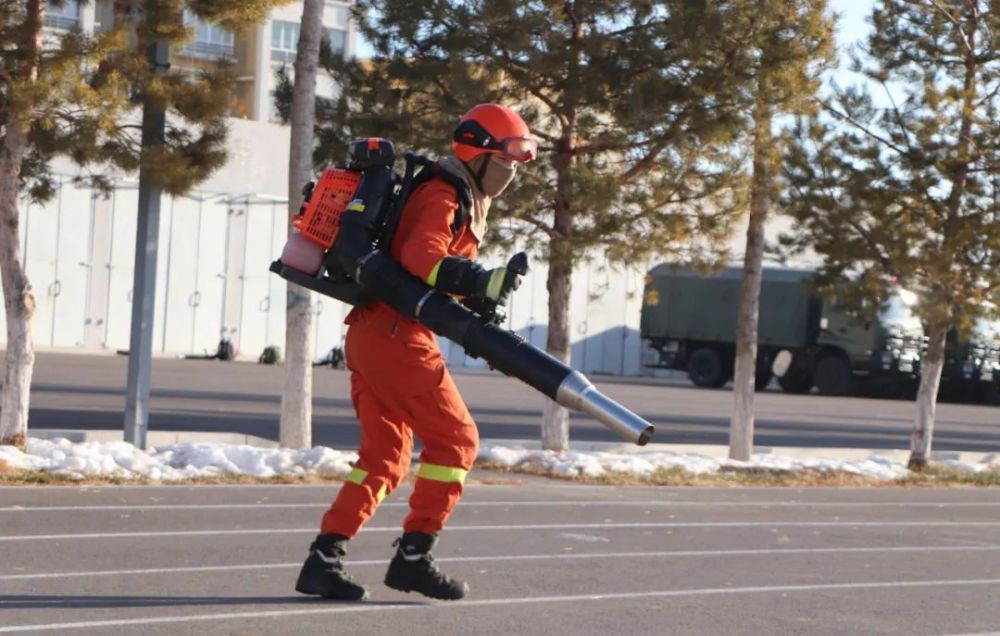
x,y
400,386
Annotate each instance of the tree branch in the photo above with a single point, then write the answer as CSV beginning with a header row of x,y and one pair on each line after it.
x,y
531,87
541,225
898,116
864,129
955,21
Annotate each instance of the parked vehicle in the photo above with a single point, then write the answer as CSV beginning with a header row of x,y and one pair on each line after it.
x,y
689,323
972,364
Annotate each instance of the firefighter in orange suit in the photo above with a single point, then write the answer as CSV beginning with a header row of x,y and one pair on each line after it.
x,y
400,385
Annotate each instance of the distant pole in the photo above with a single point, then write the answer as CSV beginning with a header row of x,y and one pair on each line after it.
x,y
140,352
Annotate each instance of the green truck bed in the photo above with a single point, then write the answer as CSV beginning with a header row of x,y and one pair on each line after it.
x,y
682,304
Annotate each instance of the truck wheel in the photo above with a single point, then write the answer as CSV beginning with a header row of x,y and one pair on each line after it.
x,y
833,375
762,379
793,382
989,393
705,369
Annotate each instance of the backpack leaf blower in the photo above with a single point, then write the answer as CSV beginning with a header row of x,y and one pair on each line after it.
x,y
340,248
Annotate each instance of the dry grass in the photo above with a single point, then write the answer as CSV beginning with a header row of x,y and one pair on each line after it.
x,y
935,477
941,476
732,477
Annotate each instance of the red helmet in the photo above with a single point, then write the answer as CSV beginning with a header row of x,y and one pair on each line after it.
x,y
496,129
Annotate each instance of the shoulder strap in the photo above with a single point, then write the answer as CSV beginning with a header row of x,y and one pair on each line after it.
x,y
462,194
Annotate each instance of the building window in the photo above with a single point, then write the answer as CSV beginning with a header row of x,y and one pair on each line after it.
x,y
209,41
337,38
285,40
65,17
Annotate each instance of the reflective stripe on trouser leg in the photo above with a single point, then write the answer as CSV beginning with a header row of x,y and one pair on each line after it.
x,y
435,494
400,383
356,502
384,458
450,441
358,476
441,473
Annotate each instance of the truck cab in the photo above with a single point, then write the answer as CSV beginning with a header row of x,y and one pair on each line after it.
x,y
878,353
972,364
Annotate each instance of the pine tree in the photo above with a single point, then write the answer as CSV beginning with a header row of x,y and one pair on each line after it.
x,y
905,190
792,41
80,96
635,103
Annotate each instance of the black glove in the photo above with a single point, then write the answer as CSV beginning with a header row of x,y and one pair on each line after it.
x,y
499,283
485,309
457,275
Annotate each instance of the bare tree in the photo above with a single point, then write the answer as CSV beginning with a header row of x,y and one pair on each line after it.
x,y
296,400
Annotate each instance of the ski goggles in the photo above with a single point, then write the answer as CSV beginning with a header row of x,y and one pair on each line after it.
x,y
521,149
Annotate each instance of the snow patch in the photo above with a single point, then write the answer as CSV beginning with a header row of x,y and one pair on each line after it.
x,y
184,461
173,462
644,464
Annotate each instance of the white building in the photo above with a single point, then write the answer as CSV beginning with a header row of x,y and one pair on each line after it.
x,y
217,242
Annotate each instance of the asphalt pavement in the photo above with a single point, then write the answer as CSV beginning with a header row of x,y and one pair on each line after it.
x,y
541,557
77,391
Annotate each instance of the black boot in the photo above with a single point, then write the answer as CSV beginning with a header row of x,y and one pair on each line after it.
x,y
323,572
413,569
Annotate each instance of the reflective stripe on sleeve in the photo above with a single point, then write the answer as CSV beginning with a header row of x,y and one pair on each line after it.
x,y
357,476
496,281
432,278
434,472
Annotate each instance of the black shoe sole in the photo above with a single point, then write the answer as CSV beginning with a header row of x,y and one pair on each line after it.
x,y
440,597
303,589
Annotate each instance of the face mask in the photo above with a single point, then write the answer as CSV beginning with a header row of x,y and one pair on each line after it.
x,y
497,175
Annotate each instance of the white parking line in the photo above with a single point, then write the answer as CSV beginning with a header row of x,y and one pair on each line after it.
x,y
531,526
520,557
530,504
470,485
499,602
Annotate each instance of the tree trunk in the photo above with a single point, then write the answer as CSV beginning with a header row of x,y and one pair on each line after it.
x,y
930,380
933,363
744,374
555,418
296,401
19,303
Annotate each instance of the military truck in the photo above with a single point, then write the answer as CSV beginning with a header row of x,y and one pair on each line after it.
x,y
688,323
972,364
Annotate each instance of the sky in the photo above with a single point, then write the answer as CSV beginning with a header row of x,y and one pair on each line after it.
x,y
854,19
853,26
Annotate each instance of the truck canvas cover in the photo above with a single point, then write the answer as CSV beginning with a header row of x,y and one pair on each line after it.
x,y
684,304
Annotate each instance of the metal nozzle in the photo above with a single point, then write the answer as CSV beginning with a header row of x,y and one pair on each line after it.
x,y
577,393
